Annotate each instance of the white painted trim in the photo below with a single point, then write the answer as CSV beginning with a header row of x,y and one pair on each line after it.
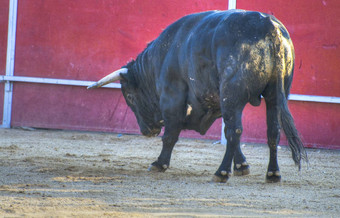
x,y
10,56
232,4
292,97
54,81
314,98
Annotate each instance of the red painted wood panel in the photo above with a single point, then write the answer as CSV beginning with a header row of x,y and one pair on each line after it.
x,y
86,39
66,107
3,48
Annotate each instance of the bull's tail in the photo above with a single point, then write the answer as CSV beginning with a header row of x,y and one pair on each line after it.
x,y
287,122
294,140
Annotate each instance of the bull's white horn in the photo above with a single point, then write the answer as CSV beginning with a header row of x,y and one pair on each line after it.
x,y
108,79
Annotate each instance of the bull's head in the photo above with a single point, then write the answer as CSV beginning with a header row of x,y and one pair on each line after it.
x,y
148,119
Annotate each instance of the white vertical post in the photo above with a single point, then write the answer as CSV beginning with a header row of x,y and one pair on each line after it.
x,y
223,139
12,26
231,5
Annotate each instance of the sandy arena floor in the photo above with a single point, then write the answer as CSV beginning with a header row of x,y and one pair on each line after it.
x,y
81,174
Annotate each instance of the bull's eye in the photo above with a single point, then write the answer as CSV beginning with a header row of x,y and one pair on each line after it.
x,y
129,97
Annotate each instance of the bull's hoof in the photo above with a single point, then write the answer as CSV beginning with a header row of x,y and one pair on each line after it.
x,y
241,169
156,167
221,177
273,177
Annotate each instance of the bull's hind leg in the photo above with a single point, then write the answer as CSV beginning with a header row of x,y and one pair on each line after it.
x,y
241,166
233,130
273,135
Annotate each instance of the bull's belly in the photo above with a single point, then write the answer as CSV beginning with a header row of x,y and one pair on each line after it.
x,y
201,122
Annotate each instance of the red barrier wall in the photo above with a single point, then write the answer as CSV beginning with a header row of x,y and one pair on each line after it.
x,y
87,39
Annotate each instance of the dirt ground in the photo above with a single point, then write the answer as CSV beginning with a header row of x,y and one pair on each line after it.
x,y
81,174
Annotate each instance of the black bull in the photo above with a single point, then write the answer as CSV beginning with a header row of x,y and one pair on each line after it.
x,y
208,65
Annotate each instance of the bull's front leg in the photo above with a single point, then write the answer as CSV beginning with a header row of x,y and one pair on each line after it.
x,y
169,139
172,103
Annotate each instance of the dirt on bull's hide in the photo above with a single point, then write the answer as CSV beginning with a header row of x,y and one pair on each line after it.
x,y
60,173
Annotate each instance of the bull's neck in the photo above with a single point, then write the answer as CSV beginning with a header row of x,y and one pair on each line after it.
x,y
145,77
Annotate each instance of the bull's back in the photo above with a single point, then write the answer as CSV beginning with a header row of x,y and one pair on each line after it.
x,y
236,47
